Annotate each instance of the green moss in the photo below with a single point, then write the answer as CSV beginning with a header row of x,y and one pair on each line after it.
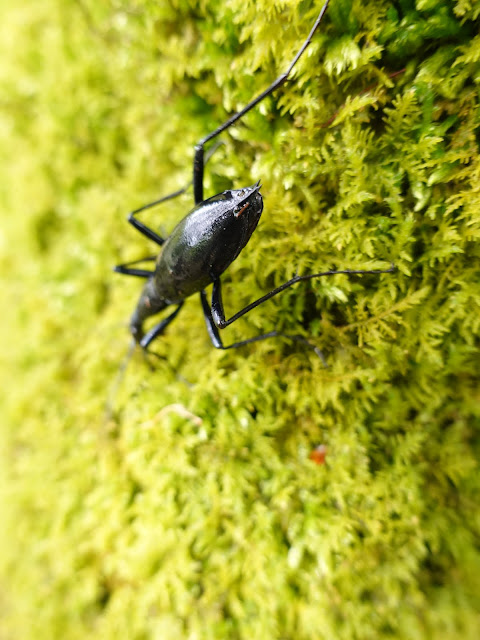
x,y
194,510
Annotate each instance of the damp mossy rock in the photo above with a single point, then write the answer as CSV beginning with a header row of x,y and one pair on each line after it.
x,y
182,499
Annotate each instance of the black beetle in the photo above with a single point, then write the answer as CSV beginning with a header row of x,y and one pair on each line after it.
x,y
205,243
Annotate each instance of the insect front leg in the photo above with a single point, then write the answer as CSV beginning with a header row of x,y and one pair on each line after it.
x,y
198,160
215,335
217,342
217,302
219,321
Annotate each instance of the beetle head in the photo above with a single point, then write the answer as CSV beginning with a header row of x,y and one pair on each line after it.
x,y
248,197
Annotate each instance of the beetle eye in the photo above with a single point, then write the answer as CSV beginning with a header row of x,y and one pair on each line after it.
x,y
227,194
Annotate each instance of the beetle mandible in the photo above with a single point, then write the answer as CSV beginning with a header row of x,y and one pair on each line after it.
x,y
206,242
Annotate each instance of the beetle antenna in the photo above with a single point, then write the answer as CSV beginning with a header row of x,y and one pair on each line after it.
x,y
110,403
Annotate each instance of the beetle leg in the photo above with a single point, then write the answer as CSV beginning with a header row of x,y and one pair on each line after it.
x,y
214,333
217,303
215,317
198,162
125,268
159,328
140,226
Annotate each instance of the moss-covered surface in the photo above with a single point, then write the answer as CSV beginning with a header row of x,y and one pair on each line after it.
x,y
194,511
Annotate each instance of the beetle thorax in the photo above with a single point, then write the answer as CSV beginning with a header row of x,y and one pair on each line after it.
x,y
207,241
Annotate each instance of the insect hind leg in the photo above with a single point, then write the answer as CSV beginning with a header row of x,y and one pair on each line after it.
x,y
158,329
